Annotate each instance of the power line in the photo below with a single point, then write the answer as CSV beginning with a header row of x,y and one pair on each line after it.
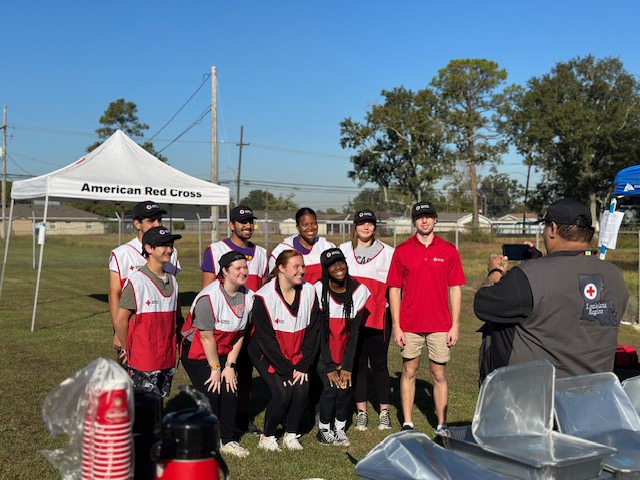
x,y
206,78
193,124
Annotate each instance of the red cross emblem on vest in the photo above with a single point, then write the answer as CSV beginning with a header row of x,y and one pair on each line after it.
x,y
590,291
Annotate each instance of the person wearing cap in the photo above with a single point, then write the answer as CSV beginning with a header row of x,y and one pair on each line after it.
x,y
213,336
564,307
307,242
147,314
241,225
129,258
310,246
342,304
368,260
425,296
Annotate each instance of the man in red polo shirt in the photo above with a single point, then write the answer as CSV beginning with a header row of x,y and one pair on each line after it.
x,y
425,294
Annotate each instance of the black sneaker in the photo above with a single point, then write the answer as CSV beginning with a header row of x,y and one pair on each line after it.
x,y
407,427
253,429
246,426
325,437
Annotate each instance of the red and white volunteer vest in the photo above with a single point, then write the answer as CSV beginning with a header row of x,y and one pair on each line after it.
x,y
151,338
229,325
257,264
289,329
313,268
373,274
338,329
127,258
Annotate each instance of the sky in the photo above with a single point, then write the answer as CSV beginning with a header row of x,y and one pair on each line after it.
x,y
287,71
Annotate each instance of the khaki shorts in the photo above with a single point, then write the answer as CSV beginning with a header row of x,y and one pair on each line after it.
x,y
436,343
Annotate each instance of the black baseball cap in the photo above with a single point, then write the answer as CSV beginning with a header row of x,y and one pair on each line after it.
x,y
241,214
230,257
568,211
423,208
159,236
147,209
364,216
331,256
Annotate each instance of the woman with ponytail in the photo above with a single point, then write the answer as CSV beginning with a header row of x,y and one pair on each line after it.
x,y
369,260
212,338
284,345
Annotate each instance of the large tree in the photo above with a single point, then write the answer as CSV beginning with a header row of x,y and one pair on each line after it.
x,y
401,143
470,94
579,124
123,115
374,199
500,193
265,200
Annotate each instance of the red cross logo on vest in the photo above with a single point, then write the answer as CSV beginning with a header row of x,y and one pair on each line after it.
x,y
132,267
590,291
148,302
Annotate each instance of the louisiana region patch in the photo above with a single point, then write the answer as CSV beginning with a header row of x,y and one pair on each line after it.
x,y
595,309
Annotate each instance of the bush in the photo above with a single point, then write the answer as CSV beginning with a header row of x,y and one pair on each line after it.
x,y
478,235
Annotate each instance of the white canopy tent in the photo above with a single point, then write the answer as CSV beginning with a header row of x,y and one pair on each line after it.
x,y
120,171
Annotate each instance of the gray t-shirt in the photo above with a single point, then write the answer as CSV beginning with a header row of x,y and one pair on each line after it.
x,y
365,254
203,314
165,284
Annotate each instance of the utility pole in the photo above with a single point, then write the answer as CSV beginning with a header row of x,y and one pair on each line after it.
x,y
214,151
239,165
526,197
4,173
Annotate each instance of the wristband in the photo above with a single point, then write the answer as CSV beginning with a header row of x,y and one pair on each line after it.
x,y
230,364
499,270
215,367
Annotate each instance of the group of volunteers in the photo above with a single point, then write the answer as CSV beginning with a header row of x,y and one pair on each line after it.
x,y
312,318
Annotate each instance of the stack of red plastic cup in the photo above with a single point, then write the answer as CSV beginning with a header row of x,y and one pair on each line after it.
x,y
107,440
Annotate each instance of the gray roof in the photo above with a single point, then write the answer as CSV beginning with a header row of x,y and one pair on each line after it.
x,y
54,212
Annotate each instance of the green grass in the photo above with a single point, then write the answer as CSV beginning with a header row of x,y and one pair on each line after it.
x,y
73,328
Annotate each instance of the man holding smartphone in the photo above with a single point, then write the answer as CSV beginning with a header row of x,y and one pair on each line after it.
x,y
564,307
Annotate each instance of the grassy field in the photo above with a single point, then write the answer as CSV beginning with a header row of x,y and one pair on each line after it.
x,y
73,328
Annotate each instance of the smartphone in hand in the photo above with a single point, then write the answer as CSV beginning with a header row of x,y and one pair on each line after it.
x,y
517,251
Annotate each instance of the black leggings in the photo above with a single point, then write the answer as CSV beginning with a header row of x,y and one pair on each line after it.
x,y
244,371
373,345
333,400
289,400
223,404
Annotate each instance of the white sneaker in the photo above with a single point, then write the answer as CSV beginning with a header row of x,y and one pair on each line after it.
x,y
341,438
268,443
290,442
234,448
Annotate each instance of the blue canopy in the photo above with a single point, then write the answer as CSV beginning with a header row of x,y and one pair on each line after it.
x,y
627,181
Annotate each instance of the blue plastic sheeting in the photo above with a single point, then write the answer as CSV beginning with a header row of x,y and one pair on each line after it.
x,y
627,181
412,455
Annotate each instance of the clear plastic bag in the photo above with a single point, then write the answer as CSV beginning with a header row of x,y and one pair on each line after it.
x,y
84,404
